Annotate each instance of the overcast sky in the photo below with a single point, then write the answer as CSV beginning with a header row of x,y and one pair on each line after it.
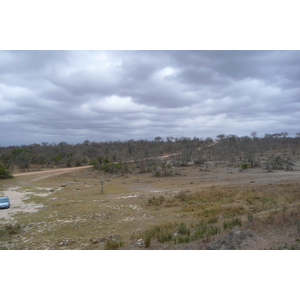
x,y
72,96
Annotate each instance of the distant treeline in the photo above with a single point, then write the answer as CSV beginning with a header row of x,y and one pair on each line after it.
x,y
246,149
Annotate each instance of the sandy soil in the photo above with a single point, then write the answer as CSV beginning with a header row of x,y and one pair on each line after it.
x,y
17,204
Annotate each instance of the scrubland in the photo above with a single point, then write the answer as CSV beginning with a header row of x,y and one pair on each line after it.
x,y
188,209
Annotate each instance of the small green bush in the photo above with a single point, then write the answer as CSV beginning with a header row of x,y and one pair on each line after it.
x,y
212,230
164,237
182,239
182,229
245,166
4,173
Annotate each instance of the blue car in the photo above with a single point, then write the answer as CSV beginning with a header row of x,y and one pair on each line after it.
x,y
4,202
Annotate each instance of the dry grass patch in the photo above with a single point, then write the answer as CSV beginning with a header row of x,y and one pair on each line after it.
x,y
162,210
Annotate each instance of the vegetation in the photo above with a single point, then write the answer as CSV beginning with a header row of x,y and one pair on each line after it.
x,y
10,229
4,172
113,157
113,244
167,201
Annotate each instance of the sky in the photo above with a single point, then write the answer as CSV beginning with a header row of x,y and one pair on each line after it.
x,y
73,96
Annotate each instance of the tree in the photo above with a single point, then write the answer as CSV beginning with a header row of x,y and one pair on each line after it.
x,y
221,137
102,180
158,139
254,134
4,173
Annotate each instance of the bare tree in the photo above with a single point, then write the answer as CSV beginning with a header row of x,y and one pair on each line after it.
x,y
102,180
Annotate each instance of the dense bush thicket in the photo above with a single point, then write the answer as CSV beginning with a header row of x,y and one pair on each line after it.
x,y
122,155
4,172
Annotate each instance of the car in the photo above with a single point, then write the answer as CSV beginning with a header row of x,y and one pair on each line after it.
x,y
4,202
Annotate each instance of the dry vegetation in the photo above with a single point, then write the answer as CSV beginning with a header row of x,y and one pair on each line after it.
x,y
142,211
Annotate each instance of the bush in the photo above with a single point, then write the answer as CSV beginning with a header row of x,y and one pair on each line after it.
x,y
182,229
212,230
4,173
245,166
164,237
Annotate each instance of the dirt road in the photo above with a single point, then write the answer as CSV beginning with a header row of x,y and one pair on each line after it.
x,y
55,171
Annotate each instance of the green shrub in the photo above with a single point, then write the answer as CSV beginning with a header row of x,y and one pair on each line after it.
x,y
245,166
4,173
182,229
182,239
199,232
164,237
212,230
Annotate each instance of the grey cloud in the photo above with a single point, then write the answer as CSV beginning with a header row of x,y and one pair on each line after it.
x,y
65,95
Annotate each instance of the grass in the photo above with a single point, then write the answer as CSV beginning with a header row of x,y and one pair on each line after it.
x,y
231,223
80,212
10,229
113,244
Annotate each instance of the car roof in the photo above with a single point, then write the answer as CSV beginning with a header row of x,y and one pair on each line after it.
x,y
4,197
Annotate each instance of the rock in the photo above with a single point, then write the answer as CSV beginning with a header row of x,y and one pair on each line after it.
x,y
97,240
66,242
114,237
63,185
140,243
235,239
51,190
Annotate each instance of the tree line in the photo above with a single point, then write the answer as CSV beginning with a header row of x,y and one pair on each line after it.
x,y
122,155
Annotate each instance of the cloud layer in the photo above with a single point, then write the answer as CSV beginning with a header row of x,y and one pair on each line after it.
x,y
73,96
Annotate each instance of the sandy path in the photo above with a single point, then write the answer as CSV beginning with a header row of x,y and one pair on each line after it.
x,y
62,170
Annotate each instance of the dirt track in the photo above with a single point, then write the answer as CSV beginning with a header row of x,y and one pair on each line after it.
x,y
63,170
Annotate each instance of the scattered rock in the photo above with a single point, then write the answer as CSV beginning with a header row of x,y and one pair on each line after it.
x,y
97,240
51,190
63,185
66,242
140,243
235,239
113,237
